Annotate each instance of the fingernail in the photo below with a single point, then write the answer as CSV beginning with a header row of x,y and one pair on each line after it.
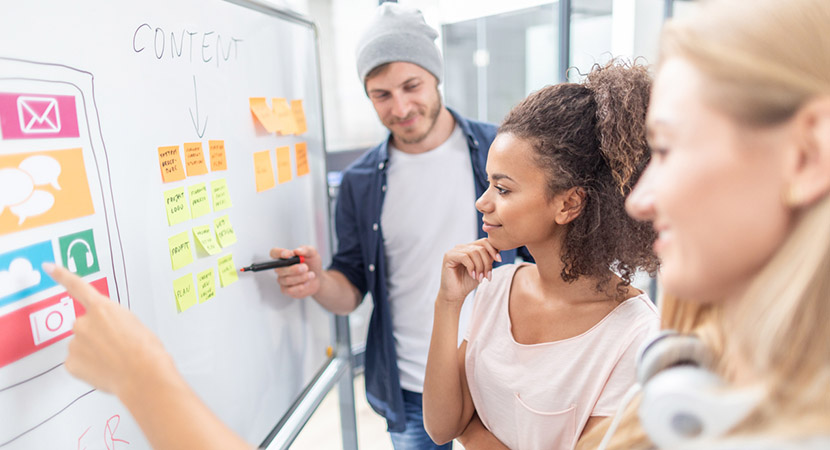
x,y
312,275
48,267
490,275
473,274
498,257
480,276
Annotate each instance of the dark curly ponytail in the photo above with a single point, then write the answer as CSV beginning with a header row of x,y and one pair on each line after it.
x,y
592,136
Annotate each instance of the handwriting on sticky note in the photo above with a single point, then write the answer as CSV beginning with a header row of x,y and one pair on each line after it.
x,y
227,271
299,116
194,159
180,252
171,164
263,113
221,194
199,205
217,156
206,283
224,231
301,155
263,171
185,292
175,204
204,237
285,118
283,164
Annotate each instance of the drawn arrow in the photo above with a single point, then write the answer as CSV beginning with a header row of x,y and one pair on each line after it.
x,y
196,119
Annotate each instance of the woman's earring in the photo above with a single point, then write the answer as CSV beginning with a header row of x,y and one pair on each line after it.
x,y
792,196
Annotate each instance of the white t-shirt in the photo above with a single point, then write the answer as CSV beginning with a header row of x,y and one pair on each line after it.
x,y
540,396
429,209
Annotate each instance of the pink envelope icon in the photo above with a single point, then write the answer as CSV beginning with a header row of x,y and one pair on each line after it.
x,y
38,115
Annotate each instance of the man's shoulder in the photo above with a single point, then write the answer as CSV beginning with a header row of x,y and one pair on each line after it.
x,y
365,163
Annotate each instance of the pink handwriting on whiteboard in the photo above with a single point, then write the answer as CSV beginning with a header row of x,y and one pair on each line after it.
x,y
110,428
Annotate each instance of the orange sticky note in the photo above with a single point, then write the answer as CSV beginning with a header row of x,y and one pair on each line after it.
x,y
301,155
264,171
217,156
299,116
194,159
285,118
171,164
283,164
41,188
263,113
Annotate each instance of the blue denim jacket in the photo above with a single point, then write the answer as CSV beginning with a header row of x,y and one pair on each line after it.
x,y
361,258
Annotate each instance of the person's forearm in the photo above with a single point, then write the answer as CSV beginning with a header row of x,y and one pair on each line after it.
x,y
443,400
337,294
476,436
172,416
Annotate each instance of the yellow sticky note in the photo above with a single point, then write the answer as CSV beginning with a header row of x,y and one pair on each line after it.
x,y
221,194
227,271
199,205
175,204
285,118
299,116
264,114
264,171
301,155
180,253
184,292
206,284
194,159
171,164
204,237
224,231
217,156
283,164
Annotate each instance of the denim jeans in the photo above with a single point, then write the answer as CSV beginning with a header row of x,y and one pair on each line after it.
x,y
415,437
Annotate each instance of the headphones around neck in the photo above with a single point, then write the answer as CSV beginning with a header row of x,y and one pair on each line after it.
x,y
683,401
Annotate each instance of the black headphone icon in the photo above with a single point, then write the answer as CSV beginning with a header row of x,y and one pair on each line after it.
x,y
88,258
683,400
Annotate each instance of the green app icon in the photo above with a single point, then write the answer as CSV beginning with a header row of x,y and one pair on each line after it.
x,y
78,253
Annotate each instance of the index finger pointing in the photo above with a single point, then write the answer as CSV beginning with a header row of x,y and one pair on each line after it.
x,y
79,289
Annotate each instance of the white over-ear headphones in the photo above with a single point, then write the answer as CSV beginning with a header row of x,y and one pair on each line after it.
x,y
683,401
71,265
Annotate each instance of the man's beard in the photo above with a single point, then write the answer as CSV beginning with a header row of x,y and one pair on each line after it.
x,y
431,115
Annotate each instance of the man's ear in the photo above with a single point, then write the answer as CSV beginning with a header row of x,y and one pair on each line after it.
x,y
809,177
572,203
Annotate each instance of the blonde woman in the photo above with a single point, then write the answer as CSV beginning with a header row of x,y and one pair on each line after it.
x,y
737,189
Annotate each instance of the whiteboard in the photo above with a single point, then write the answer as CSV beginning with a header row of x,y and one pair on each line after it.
x,y
89,92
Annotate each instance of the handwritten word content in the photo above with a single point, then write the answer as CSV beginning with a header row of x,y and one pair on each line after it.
x,y
205,46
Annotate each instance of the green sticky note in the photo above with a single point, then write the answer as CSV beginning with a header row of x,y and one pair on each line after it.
x,y
180,253
207,285
185,292
224,231
205,239
221,195
199,204
227,271
176,205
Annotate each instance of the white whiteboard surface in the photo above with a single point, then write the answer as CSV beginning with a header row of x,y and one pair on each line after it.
x,y
144,75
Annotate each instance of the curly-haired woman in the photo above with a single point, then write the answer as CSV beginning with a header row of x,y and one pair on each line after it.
x,y
551,346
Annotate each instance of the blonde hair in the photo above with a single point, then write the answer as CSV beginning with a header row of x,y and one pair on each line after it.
x,y
763,60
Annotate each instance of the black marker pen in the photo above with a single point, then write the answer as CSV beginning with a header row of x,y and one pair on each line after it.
x,y
282,262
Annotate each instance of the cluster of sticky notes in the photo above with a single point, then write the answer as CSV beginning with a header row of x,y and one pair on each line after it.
x,y
264,171
180,210
181,252
280,117
170,160
187,293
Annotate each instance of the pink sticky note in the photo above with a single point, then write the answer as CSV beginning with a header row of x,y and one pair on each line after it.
x,y
37,116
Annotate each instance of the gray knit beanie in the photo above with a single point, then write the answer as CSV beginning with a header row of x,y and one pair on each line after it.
x,y
398,33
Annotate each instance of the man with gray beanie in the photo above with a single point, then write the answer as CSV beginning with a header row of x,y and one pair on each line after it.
x,y
401,206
